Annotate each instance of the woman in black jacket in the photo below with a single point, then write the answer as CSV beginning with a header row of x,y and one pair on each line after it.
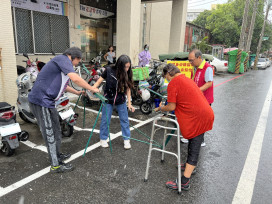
x,y
117,90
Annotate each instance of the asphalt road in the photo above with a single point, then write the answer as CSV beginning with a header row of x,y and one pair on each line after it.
x,y
104,177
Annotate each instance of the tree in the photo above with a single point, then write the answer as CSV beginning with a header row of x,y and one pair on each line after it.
x,y
225,23
202,45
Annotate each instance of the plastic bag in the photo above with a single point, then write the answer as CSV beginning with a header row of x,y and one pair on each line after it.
x,y
145,95
143,84
163,88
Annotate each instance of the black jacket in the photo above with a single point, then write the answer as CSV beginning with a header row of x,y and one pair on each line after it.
x,y
110,91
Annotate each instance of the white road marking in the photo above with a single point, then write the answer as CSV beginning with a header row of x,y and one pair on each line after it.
x,y
86,129
34,146
46,170
244,190
113,116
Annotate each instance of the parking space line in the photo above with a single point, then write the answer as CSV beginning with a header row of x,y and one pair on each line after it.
x,y
46,170
113,116
245,187
86,129
34,146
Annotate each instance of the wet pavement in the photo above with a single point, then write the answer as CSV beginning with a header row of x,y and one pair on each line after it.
x,y
118,177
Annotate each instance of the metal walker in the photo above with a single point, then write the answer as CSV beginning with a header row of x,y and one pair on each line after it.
x,y
151,148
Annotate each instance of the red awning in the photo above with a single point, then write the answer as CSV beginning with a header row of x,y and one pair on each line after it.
x,y
229,49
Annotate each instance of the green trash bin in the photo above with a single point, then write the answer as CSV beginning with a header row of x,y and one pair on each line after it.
x,y
232,61
251,59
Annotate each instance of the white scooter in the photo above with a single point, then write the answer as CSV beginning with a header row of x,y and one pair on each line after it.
x,y
10,131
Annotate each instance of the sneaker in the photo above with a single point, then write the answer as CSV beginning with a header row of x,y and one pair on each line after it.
x,y
183,140
104,143
174,185
64,157
61,168
127,144
182,167
203,144
62,163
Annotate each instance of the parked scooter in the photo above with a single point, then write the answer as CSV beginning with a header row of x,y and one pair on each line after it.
x,y
25,83
96,72
151,101
97,60
10,131
154,78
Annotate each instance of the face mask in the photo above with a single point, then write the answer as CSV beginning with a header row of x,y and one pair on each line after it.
x,y
146,49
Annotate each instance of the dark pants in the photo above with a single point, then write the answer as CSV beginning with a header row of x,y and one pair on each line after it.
x,y
48,121
194,149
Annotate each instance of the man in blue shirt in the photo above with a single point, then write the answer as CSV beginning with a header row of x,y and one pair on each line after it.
x,y
50,84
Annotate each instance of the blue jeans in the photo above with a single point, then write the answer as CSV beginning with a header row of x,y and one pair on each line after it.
x,y
123,116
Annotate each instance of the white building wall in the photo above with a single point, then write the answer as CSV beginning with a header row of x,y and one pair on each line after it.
x,y
8,72
158,27
74,22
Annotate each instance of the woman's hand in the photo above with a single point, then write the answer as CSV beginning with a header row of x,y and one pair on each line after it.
x,y
94,90
131,108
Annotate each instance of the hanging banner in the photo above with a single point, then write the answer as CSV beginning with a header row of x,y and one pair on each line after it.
x,y
92,12
45,6
185,67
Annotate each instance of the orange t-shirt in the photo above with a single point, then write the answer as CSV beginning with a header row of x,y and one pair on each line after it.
x,y
194,114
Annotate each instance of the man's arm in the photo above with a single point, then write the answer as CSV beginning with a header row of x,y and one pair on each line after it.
x,y
208,79
206,86
72,90
80,82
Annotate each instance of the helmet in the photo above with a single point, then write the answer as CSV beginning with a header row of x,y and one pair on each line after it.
x,y
145,95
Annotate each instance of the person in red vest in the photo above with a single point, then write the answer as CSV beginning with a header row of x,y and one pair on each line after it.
x,y
203,76
194,115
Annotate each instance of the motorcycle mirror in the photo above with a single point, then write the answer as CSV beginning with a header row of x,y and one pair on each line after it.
x,y
25,55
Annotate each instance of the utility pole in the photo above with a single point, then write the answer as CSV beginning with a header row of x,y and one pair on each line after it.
x,y
261,37
242,38
251,28
250,33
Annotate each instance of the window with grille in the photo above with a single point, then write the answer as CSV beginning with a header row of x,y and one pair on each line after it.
x,y
40,33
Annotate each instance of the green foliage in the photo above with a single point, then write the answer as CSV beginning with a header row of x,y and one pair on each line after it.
x,y
225,23
202,45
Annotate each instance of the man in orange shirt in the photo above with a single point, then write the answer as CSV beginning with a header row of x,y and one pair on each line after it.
x,y
194,115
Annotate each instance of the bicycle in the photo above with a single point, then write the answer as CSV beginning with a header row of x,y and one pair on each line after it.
x,y
84,73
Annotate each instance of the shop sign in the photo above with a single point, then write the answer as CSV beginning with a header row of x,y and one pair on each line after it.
x,y
185,67
94,12
45,6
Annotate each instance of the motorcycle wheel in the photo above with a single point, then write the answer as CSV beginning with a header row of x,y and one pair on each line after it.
x,y
66,130
137,101
146,108
7,150
23,136
22,116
